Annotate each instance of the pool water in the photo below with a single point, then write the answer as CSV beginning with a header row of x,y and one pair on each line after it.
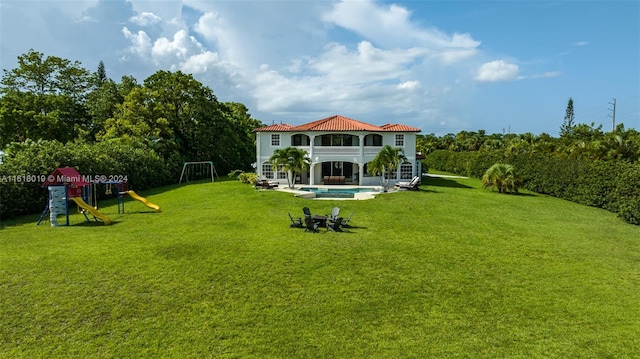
x,y
337,192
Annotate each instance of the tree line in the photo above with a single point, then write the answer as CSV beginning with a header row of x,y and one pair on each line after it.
x,y
583,164
56,113
171,113
581,142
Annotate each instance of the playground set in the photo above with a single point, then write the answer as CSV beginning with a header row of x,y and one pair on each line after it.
x,y
201,170
67,185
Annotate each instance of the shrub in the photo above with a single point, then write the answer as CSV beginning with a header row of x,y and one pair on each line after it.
x,y
503,177
613,185
248,177
627,193
143,168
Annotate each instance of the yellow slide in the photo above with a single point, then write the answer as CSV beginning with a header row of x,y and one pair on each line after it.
x,y
144,201
82,204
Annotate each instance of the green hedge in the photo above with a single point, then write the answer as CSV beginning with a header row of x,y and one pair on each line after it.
x,y
611,185
144,169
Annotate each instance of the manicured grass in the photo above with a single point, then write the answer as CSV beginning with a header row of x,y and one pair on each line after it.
x,y
449,271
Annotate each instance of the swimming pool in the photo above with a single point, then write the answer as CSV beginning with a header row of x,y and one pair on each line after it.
x,y
338,192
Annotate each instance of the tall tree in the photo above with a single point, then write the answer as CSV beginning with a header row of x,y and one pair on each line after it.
x,y
43,98
566,130
293,160
140,119
242,126
385,163
101,74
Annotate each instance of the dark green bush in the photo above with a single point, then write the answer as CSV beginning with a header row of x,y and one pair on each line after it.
x,y
143,168
627,194
613,185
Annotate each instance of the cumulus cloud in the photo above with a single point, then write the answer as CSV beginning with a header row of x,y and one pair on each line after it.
x,y
364,65
182,52
200,63
409,85
392,25
145,19
140,42
496,71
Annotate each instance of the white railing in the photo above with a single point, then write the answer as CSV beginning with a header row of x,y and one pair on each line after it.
x,y
372,151
337,150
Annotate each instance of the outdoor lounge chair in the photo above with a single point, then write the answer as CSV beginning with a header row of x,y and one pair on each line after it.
x,y
296,223
335,226
310,224
319,219
411,186
335,211
264,183
345,223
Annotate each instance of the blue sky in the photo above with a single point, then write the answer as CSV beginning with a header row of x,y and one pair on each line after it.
x,y
441,66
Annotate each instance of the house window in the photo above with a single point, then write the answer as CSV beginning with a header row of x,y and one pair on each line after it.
x,y
373,140
338,140
400,140
406,171
267,170
300,140
275,139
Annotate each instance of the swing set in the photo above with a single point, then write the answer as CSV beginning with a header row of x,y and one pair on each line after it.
x,y
201,170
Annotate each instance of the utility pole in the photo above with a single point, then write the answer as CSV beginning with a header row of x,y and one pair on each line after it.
x,y
613,115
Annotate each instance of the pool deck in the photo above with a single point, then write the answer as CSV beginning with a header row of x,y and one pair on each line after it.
x,y
311,195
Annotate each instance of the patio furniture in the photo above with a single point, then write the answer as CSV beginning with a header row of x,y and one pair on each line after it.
x,y
296,223
264,183
310,224
411,186
335,226
319,219
345,223
335,211
333,180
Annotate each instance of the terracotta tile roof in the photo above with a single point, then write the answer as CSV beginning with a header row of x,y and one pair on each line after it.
x,y
282,127
337,123
399,128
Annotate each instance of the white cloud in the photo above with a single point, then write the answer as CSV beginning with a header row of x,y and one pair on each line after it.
x,y
210,26
145,19
409,85
200,63
365,65
496,71
140,42
581,43
391,26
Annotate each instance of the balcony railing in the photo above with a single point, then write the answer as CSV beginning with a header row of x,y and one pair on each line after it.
x,y
336,150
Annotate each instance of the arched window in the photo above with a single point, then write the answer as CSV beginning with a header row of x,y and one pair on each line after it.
x,y
300,140
373,140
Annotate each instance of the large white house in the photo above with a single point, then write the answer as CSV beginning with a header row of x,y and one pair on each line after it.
x,y
339,149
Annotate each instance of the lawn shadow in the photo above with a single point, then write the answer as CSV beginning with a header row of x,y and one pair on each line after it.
x,y
93,224
444,182
19,221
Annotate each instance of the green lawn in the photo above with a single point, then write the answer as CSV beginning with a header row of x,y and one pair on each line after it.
x,y
449,271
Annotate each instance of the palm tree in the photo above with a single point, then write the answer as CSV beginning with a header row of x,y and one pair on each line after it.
x,y
503,177
293,160
385,162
